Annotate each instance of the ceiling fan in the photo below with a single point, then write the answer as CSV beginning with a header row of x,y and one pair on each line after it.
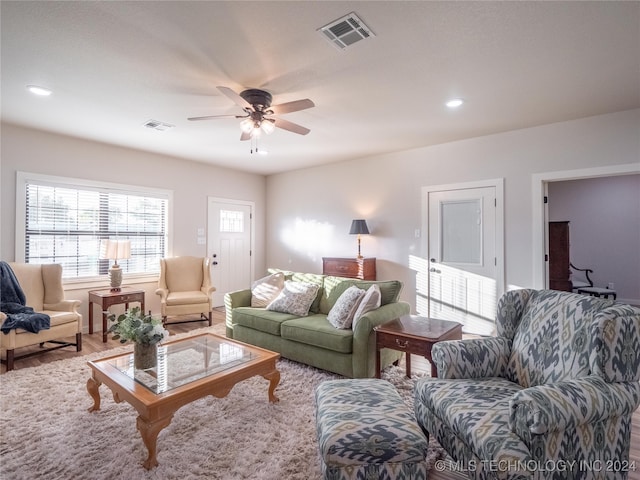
x,y
259,112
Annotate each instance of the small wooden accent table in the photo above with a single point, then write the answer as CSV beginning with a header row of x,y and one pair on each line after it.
x,y
192,368
106,298
414,334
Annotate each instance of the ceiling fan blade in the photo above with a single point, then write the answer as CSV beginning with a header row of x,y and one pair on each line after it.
x,y
237,99
292,106
209,117
245,136
292,127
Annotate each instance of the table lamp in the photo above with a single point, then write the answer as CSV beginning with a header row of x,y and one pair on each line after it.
x,y
114,250
359,227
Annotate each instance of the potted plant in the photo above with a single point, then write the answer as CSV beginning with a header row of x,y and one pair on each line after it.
x,y
144,330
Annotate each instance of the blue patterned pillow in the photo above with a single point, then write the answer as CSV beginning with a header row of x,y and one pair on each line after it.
x,y
296,298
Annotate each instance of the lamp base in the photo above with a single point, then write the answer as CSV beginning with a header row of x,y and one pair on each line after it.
x,y
115,275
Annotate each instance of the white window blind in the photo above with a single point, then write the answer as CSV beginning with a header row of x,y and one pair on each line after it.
x,y
64,224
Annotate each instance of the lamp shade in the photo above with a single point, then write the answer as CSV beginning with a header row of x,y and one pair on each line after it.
x,y
115,249
359,227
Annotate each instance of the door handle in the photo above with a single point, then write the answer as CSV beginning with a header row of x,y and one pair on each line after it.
x,y
214,263
434,270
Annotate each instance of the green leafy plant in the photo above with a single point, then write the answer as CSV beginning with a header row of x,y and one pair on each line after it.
x,y
134,325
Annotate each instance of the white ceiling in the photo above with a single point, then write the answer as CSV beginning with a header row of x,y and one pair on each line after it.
x,y
114,65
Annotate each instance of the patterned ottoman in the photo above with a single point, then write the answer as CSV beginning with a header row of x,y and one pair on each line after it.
x,y
366,431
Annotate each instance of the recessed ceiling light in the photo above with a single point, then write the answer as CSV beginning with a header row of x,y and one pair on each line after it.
x,y
454,103
36,90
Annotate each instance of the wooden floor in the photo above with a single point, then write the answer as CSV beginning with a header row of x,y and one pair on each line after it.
x,y
93,343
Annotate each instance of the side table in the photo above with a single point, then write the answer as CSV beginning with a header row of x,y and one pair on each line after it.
x,y
106,298
598,292
414,334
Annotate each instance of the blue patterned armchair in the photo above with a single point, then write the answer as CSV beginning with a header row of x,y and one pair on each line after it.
x,y
550,397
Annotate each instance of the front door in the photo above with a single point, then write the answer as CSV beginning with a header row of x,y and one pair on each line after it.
x,y
462,261
229,246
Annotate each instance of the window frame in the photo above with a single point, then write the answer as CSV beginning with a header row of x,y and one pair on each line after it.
x,y
25,178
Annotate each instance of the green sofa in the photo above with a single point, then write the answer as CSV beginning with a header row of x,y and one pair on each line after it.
x,y
312,339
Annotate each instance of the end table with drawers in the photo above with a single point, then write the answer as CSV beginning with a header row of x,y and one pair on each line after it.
x,y
414,334
106,298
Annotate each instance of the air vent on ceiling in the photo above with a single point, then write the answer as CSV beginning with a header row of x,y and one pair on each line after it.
x,y
156,125
346,31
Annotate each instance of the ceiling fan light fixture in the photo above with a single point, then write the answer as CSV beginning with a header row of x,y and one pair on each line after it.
x,y
257,107
268,125
246,125
257,131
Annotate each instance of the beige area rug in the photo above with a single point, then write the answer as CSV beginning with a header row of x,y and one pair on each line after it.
x,y
47,433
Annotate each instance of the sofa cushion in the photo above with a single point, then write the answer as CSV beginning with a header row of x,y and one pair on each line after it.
x,y
335,286
316,330
370,301
187,298
60,318
315,278
266,289
477,411
295,298
342,313
260,319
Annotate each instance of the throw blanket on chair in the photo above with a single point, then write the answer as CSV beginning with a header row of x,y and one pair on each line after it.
x,y
12,302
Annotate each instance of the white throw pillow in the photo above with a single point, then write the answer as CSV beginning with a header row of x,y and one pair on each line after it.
x,y
341,314
370,301
265,289
296,298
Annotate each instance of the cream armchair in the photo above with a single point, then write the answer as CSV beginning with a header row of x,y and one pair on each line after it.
x,y
42,286
185,288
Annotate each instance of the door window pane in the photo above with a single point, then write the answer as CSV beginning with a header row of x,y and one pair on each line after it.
x,y
231,221
461,227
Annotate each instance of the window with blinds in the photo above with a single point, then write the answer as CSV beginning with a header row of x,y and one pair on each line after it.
x,y
64,223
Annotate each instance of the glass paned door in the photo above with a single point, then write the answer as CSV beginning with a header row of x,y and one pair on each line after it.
x,y
462,257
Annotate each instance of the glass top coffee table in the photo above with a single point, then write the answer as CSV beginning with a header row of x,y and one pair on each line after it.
x,y
187,369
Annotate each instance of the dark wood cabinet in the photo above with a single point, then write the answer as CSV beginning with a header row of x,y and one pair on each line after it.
x,y
559,271
360,268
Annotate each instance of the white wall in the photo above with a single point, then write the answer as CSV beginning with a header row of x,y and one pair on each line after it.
x,y
310,210
45,153
604,229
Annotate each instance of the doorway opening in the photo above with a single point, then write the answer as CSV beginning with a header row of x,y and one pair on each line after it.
x,y
542,215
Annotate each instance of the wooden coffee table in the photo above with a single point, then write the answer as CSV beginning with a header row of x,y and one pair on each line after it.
x,y
188,369
414,334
